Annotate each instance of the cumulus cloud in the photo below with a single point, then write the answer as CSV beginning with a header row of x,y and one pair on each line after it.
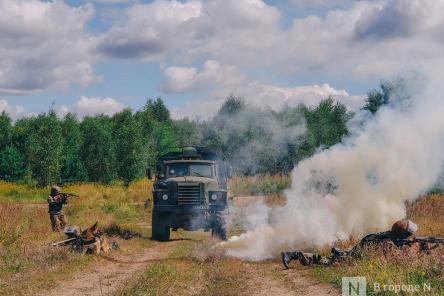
x,y
212,74
83,107
113,1
186,30
393,19
319,3
14,111
246,47
359,39
269,96
43,45
150,30
277,97
92,106
367,40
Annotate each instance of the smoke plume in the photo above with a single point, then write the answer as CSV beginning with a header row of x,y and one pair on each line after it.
x,y
356,186
253,140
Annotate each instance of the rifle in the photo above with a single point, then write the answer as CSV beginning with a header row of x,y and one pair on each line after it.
x,y
64,242
68,194
420,239
429,239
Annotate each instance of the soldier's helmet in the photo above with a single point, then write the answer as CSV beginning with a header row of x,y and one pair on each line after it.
x,y
55,190
402,229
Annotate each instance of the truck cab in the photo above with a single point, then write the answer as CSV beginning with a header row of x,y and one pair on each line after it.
x,y
190,192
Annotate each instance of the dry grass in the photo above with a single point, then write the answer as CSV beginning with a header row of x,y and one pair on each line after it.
x,y
400,266
183,273
259,185
428,213
25,231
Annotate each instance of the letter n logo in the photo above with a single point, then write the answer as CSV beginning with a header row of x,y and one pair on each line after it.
x,y
354,286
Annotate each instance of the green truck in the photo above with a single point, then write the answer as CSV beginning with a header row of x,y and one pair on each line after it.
x,y
190,192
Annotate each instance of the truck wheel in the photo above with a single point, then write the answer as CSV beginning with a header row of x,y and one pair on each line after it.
x,y
219,228
160,228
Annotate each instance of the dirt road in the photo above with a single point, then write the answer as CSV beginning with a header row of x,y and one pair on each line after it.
x,y
113,272
174,268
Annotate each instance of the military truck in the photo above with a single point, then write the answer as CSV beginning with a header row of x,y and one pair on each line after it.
x,y
190,192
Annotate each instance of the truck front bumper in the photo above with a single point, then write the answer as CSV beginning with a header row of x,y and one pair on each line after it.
x,y
190,209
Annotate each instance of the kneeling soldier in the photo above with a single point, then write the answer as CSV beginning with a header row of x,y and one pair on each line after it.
x,y
56,200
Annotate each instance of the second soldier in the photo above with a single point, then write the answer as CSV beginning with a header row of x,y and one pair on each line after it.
x,y
56,200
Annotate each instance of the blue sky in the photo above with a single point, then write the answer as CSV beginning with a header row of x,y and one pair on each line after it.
x,y
104,55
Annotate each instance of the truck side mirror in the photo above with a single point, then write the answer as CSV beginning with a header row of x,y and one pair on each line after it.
x,y
149,173
230,172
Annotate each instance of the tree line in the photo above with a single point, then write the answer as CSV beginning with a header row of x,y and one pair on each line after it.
x,y
46,149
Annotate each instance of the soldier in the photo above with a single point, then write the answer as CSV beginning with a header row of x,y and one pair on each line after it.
x,y
401,230
56,200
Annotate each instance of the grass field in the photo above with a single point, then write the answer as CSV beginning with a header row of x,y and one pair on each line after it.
x,y
259,185
400,267
25,232
28,264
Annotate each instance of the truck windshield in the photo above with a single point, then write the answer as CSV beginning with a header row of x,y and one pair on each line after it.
x,y
184,169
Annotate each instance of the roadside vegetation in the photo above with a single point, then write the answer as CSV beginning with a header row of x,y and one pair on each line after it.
x,y
259,185
25,254
25,232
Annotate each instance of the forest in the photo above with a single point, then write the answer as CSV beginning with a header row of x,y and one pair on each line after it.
x,y
46,149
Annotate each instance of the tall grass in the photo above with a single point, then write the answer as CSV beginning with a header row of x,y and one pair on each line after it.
x,y
259,185
400,266
23,193
25,230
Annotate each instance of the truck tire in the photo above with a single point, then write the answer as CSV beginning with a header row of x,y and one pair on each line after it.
x,y
160,228
219,228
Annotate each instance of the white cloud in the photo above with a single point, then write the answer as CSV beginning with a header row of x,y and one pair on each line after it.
x,y
83,107
188,30
277,97
151,30
269,96
113,1
248,45
369,39
212,74
43,45
319,3
15,112
359,40
93,106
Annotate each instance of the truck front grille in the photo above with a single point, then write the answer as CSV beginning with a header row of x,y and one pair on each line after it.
x,y
189,194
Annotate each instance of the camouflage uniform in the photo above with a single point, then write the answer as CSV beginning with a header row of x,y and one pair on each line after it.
x,y
55,206
401,229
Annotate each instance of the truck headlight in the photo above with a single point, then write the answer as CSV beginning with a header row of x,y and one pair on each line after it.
x,y
165,196
218,197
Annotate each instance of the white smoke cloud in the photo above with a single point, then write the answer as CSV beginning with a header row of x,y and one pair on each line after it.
x,y
357,186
